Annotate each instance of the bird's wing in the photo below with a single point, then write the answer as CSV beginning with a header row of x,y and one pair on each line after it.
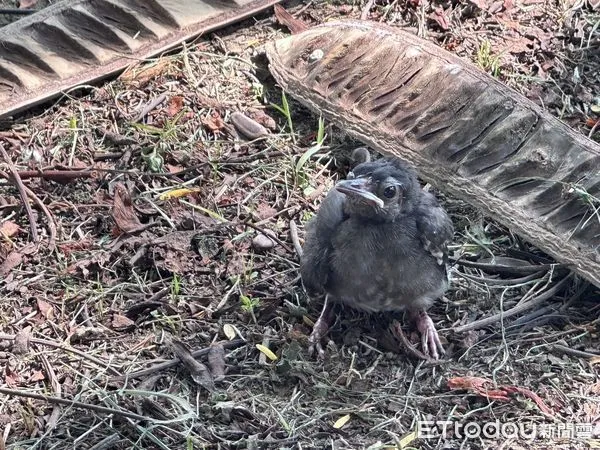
x,y
314,265
435,227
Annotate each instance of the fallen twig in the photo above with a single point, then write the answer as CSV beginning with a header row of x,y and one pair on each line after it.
x,y
98,362
17,11
16,179
150,106
263,231
173,362
285,18
295,238
504,269
73,403
365,12
60,176
516,310
572,352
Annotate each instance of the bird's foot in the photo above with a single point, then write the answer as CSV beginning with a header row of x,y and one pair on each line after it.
x,y
430,339
315,346
320,330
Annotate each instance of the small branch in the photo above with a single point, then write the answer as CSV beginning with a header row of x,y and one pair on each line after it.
x,y
150,106
60,176
365,12
173,362
75,404
48,214
504,269
572,352
16,179
295,238
98,362
516,310
269,235
16,11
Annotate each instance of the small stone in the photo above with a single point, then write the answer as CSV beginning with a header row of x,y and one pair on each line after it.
x,y
247,127
316,55
262,242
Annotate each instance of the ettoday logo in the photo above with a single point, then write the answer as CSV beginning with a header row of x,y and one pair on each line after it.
x,y
429,429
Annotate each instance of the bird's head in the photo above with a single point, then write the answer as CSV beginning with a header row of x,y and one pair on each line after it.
x,y
381,190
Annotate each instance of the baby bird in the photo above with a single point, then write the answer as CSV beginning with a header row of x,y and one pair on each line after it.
x,y
378,243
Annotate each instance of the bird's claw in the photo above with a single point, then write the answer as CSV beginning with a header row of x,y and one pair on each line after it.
x,y
320,330
430,339
315,346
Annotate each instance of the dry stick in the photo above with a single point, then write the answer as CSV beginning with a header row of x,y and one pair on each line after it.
x,y
499,281
525,321
150,106
73,403
516,310
17,11
54,416
9,337
572,352
48,214
365,12
503,269
107,443
263,231
593,130
56,175
173,362
295,238
16,179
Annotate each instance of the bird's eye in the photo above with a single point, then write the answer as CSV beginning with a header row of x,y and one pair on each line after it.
x,y
389,192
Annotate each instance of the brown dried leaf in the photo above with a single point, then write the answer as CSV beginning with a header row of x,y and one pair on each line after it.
x,y
120,322
264,211
11,377
263,118
74,246
45,308
123,211
12,260
214,122
21,344
9,229
175,105
142,75
37,375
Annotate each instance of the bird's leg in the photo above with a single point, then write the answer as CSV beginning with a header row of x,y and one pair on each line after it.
x,y
320,329
430,339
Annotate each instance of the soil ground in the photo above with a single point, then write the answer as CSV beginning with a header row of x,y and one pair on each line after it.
x,y
191,274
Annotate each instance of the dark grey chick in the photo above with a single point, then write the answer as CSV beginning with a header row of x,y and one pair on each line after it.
x,y
378,243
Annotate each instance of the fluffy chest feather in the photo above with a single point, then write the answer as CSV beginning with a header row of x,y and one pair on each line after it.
x,y
383,267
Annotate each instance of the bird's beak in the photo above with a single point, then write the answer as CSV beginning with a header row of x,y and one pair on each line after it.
x,y
359,188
